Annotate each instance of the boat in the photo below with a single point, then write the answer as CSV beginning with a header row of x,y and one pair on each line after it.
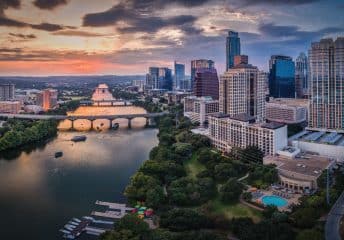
x,y
69,236
64,231
73,223
76,220
115,126
58,154
80,138
69,228
88,218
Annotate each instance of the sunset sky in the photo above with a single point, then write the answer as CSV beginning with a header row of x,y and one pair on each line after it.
x,y
124,37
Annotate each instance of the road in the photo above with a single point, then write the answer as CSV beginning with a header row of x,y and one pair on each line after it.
x,y
333,219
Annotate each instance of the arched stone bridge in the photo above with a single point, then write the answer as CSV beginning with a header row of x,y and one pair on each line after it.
x,y
111,118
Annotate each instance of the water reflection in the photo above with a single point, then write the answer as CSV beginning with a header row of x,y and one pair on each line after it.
x,y
39,193
103,124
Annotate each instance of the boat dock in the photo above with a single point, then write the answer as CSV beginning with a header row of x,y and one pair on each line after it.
x,y
96,227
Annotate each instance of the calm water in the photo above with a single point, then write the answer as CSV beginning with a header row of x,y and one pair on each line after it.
x,y
39,194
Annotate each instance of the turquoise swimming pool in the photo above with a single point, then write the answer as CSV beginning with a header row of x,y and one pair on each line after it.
x,y
274,200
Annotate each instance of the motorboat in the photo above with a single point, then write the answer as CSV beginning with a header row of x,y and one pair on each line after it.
x,y
80,138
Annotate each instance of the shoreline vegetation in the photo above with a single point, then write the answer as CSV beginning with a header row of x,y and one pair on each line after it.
x,y
195,193
17,133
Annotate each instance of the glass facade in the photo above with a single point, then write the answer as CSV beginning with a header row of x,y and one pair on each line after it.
x,y
233,48
282,77
198,64
159,78
179,75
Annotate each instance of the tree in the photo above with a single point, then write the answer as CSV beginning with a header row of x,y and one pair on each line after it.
x,y
230,191
309,234
119,235
131,222
155,197
179,219
305,217
139,186
224,171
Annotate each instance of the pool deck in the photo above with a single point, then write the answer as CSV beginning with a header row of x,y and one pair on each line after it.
x,y
293,200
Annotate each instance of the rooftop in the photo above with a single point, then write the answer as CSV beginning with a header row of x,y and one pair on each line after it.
x,y
304,163
243,117
289,101
320,137
272,125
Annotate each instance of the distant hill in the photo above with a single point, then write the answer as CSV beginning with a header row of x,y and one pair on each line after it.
x,y
68,81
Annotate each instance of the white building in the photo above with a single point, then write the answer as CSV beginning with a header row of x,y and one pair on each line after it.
x,y
287,110
242,131
324,143
242,90
176,96
199,108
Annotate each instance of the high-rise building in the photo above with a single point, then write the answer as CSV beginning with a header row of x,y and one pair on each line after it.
x,y
326,79
198,109
241,131
200,63
242,90
159,78
282,77
47,99
301,81
206,83
179,75
232,48
6,91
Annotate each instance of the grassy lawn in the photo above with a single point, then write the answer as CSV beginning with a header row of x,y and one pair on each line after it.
x,y
193,167
235,210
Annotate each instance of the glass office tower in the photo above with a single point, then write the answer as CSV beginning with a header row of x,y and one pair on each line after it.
x,y
282,77
198,64
233,48
301,82
159,78
179,75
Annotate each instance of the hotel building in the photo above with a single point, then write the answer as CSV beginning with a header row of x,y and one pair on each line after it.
x,y
326,78
242,131
287,110
47,99
242,90
198,109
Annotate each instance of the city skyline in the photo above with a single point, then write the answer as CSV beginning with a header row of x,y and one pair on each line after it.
x,y
41,37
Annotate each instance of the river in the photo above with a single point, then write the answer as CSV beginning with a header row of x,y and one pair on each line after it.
x,y
39,194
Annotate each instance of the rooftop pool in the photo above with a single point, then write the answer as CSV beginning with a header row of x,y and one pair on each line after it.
x,y
274,200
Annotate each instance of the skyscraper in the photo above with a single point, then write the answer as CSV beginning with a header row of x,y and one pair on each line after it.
x,y
326,79
159,78
179,75
200,63
6,91
233,48
282,77
242,91
206,83
301,82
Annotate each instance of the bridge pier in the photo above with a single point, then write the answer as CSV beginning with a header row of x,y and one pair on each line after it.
x,y
111,120
91,121
129,122
72,124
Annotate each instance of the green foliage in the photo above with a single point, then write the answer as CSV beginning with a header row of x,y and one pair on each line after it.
x,y
186,191
305,217
262,176
23,132
179,219
310,234
251,154
247,196
119,235
140,186
64,108
224,171
230,191
133,223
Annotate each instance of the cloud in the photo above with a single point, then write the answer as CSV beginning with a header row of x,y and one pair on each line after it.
x,y
49,4
22,36
276,2
5,4
78,33
293,33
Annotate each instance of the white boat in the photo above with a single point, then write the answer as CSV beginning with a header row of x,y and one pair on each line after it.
x,y
73,223
69,236
88,218
65,231
76,220
70,226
